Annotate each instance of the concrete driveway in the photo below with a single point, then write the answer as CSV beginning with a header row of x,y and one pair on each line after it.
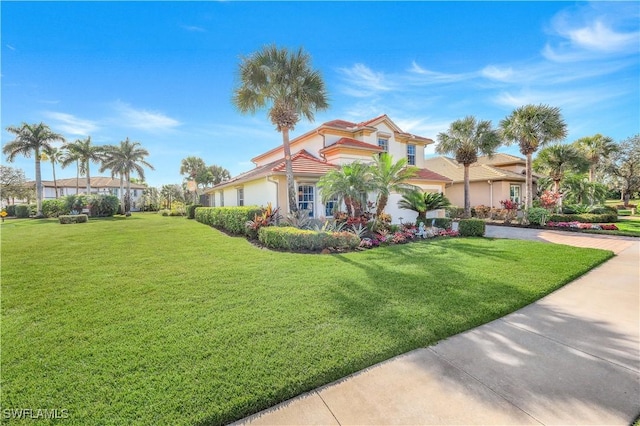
x,y
573,357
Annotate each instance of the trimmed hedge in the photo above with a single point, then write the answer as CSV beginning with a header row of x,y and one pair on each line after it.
x,y
191,210
11,210
23,210
537,215
231,219
294,239
73,218
471,227
54,208
584,218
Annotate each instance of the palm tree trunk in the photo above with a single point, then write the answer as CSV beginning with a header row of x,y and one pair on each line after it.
x,y
122,193
291,189
128,212
528,191
467,201
38,186
382,203
77,176
88,180
592,173
55,182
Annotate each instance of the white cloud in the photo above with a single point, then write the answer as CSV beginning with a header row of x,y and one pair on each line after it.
x,y
594,31
494,72
150,121
363,81
574,99
10,47
427,76
194,28
71,124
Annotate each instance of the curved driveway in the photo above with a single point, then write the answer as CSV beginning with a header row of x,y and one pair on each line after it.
x,y
572,357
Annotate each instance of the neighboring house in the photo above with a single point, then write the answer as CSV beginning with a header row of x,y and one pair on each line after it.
x,y
491,179
325,148
99,185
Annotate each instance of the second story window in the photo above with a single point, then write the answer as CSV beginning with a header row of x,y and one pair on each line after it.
x,y
384,144
411,155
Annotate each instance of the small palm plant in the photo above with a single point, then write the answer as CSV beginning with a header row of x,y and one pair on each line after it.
x,y
422,202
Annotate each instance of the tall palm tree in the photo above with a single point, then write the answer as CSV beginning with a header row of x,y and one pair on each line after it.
x,y
533,126
283,82
71,156
349,184
193,168
31,138
596,148
466,139
86,154
390,177
54,155
556,160
125,159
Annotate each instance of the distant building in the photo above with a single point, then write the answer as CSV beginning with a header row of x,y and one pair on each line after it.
x,y
99,185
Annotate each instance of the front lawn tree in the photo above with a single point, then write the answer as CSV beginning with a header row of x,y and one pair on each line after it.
x,y
624,167
597,149
125,159
556,160
466,139
13,184
533,126
195,170
388,177
285,84
350,184
32,139
86,153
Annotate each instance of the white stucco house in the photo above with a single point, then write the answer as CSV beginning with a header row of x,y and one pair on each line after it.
x,y
320,150
99,185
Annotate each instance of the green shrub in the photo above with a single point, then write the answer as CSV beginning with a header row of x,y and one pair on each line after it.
x,y
73,218
294,239
471,228
177,212
584,218
102,205
75,203
191,210
22,210
164,212
231,219
11,210
603,210
442,222
54,208
454,212
537,216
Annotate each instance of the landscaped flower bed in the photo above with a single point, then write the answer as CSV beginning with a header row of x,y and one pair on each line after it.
x,y
579,225
408,233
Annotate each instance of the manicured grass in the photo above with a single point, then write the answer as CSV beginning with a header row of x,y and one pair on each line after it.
x,y
162,320
629,227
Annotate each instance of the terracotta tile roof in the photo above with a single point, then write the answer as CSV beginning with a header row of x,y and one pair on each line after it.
x,y
431,175
96,182
500,158
477,172
340,123
349,142
303,163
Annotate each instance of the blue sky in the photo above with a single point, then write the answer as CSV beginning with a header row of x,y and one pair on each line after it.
x,y
162,73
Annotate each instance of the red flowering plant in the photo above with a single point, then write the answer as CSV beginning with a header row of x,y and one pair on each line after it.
x,y
512,210
549,199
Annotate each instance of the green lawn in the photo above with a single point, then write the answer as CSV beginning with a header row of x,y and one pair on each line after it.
x,y
162,320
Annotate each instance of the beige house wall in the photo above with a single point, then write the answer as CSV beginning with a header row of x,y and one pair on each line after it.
x,y
482,193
